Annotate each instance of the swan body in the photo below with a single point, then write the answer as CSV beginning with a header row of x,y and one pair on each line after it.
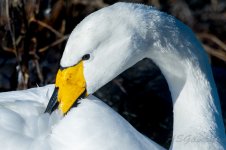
x,y
115,38
24,126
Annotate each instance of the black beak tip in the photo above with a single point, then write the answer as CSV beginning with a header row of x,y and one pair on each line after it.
x,y
53,103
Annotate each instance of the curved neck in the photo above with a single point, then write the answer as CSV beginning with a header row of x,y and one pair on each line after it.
x,y
196,106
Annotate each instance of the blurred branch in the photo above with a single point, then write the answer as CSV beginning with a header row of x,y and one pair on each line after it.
x,y
213,38
11,50
181,10
35,59
94,3
23,57
119,84
22,78
214,4
58,34
219,53
19,39
54,43
215,52
39,72
11,30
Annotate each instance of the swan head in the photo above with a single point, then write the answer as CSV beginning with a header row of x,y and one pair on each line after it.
x,y
99,48
111,40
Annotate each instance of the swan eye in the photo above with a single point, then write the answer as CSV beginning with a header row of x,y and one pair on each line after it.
x,y
86,57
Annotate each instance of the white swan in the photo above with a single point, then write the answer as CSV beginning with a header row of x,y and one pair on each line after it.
x,y
102,46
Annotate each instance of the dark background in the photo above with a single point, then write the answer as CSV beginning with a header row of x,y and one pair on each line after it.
x,y
33,34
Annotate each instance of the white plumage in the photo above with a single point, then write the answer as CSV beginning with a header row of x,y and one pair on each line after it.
x,y
117,37
92,125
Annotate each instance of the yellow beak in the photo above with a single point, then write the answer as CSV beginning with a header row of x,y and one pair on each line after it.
x,y
71,84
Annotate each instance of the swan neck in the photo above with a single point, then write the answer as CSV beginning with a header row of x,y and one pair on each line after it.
x,y
197,111
196,106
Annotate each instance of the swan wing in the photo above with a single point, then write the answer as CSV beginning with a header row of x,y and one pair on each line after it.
x,y
22,121
94,125
91,125
39,94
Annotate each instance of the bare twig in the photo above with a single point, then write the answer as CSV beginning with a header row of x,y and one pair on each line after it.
x,y
22,79
11,29
119,84
93,3
181,10
11,50
63,27
215,52
54,43
213,38
39,72
18,40
23,73
32,52
58,34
